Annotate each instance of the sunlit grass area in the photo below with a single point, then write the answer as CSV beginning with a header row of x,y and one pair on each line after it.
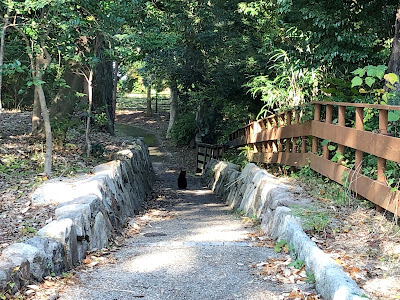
x,y
138,102
132,131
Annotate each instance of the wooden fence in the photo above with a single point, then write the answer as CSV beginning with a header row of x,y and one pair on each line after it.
x,y
282,139
205,152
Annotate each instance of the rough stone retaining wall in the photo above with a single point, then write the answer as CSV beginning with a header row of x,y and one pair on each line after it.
x,y
88,212
256,192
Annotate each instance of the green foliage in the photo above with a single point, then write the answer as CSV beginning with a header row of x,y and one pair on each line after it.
x,y
281,246
313,219
10,164
288,85
28,230
310,278
298,264
369,76
184,130
60,127
100,119
239,156
98,150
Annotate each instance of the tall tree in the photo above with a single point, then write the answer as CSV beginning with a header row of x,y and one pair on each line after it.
x,y
394,60
5,20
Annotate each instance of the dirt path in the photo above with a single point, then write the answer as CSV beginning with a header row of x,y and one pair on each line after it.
x,y
193,249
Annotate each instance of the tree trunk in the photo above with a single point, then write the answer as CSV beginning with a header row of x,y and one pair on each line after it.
x,y
36,113
40,63
2,46
89,112
114,96
103,86
199,121
46,120
149,111
394,61
173,108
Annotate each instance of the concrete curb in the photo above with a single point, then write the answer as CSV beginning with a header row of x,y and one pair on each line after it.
x,y
258,193
89,210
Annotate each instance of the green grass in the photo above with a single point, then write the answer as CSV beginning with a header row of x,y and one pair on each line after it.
x,y
139,102
132,131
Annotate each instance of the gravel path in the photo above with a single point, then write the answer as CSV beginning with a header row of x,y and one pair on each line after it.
x,y
199,252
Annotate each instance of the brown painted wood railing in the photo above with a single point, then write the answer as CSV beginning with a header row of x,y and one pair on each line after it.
x,y
281,139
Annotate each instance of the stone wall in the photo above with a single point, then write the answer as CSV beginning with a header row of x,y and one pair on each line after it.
x,y
89,210
257,193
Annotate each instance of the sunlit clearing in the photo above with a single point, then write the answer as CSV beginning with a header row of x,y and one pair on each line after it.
x,y
221,233
180,260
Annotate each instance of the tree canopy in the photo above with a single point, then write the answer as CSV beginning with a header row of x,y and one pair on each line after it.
x,y
224,61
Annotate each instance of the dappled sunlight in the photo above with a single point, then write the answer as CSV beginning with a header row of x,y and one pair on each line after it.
x,y
228,232
389,286
196,192
156,151
180,260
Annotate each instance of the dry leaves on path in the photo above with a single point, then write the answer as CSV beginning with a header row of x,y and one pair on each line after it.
x,y
285,270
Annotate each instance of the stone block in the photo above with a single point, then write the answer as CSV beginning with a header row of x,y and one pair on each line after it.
x,y
14,270
56,260
64,231
35,256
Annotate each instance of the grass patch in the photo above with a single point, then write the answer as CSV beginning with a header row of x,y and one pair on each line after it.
x,y
139,102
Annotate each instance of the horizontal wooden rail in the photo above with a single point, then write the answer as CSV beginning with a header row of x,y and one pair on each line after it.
x,y
280,138
360,184
363,105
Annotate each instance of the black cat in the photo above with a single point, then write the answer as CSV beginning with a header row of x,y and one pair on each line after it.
x,y
182,182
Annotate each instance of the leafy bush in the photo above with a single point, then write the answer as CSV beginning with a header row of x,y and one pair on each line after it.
x,y
60,127
239,156
184,129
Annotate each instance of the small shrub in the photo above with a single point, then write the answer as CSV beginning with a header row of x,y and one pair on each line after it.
x,y
313,219
184,130
239,157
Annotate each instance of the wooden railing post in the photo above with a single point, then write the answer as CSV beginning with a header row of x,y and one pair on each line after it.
x,y
275,120
303,144
383,123
251,129
317,117
263,147
288,122
296,121
280,145
359,126
328,120
281,118
269,124
281,123
262,125
341,122
296,116
269,147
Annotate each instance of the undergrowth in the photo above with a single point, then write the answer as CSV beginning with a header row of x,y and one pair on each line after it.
x,y
321,216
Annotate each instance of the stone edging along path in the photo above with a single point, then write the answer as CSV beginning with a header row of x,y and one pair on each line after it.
x,y
89,209
256,192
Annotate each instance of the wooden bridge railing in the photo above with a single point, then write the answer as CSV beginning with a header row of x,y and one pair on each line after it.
x,y
280,138
205,152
